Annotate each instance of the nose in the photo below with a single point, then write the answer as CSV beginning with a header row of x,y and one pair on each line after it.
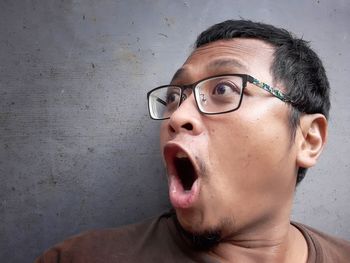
x,y
186,118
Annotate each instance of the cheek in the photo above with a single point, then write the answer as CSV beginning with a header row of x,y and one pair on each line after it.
x,y
164,134
250,150
228,150
163,137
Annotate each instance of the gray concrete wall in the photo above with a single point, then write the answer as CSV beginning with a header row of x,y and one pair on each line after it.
x,y
77,149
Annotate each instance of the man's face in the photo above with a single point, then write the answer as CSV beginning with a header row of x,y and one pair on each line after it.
x,y
230,172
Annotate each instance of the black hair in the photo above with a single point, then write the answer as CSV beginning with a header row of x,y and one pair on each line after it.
x,y
295,65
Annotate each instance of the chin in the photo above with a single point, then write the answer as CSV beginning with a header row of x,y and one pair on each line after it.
x,y
194,221
191,220
201,237
198,225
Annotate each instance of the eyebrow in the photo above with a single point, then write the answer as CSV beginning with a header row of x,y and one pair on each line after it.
x,y
212,66
180,72
222,63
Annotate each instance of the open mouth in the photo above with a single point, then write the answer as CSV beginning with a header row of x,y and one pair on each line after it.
x,y
183,176
185,171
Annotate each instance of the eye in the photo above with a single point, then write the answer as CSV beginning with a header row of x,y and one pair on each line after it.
x,y
172,97
225,89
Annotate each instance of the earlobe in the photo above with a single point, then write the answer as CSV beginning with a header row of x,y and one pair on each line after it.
x,y
311,138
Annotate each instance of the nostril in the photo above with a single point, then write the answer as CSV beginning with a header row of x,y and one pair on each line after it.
x,y
188,126
171,129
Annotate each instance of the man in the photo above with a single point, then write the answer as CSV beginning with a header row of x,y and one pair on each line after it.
x,y
242,121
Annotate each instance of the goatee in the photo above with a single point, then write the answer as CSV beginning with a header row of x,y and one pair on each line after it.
x,y
200,241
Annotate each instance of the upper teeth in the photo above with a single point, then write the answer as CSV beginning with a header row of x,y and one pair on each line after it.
x,y
181,155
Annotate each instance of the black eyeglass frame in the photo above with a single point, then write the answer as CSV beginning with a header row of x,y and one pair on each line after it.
x,y
245,78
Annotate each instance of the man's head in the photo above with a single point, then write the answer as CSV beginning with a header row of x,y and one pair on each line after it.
x,y
235,172
295,66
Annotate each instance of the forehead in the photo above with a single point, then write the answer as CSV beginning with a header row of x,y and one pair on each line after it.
x,y
240,55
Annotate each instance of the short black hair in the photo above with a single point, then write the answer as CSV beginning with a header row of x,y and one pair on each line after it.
x,y
295,65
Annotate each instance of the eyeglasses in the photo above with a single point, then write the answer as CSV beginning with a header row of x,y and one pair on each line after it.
x,y
214,95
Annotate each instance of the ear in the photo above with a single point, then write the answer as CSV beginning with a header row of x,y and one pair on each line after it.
x,y
311,138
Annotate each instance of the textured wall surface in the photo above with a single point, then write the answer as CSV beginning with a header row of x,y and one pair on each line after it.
x,y
77,149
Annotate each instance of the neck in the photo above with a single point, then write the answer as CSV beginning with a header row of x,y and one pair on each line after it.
x,y
282,243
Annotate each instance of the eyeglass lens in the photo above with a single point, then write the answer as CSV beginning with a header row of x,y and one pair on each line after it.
x,y
214,95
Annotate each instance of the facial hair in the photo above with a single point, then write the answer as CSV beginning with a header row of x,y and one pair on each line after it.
x,y
204,240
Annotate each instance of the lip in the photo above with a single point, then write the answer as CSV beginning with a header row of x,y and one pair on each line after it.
x,y
179,197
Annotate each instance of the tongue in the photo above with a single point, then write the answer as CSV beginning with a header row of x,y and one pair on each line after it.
x,y
179,197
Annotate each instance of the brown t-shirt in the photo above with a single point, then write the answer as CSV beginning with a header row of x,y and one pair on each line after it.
x,y
323,247
159,240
